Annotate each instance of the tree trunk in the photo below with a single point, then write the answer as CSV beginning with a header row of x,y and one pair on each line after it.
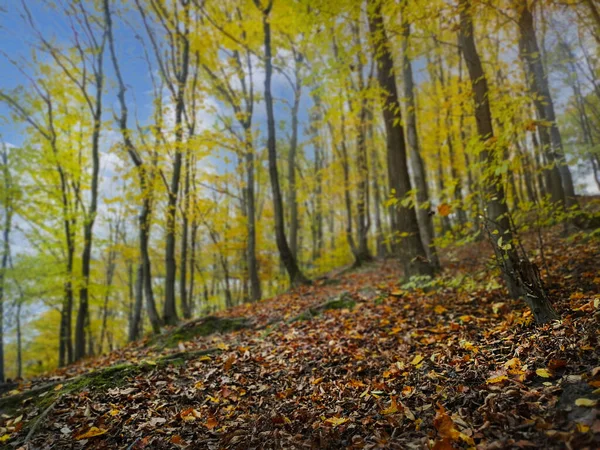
x,y
294,273
363,221
412,251
375,171
562,189
292,189
145,186
8,213
522,277
424,218
170,307
184,242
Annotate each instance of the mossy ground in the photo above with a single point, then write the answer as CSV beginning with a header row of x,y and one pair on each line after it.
x,y
199,328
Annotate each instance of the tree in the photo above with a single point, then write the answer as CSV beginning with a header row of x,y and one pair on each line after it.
x,y
522,277
295,275
559,179
404,222
146,180
424,218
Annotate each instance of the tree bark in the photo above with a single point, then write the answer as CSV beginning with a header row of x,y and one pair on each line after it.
x,y
292,189
412,251
145,181
424,218
295,275
561,189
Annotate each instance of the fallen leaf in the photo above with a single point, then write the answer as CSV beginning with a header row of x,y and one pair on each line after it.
x,y
92,432
211,423
544,373
586,402
336,421
416,360
496,379
392,409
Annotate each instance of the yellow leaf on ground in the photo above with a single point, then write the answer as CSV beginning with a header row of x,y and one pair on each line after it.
x,y
92,432
544,373
439,309
416,360
586,402
114,412
496,379
335,421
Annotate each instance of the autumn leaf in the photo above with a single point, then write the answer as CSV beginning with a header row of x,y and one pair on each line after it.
x,y
586,402
336,421
416,360
544,373
439,309
444,425
496,379
92,432
211,423
229,363
114,412
444,209
392,409
556,364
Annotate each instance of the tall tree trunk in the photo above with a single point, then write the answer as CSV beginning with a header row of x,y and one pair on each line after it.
x,y
145,187
375,171
522,277
294,273
170,306
412,251
110,270
184,242
8,213
316,117
293,194
255,289
562,189
194,234
88,226
424,218
136,313
362,202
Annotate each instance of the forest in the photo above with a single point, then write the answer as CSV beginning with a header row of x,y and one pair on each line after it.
x,y
300,224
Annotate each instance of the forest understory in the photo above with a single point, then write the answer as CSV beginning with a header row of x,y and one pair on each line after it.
x,y
357,360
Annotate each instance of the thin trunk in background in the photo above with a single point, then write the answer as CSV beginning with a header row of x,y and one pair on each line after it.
x,y
419,174
561,188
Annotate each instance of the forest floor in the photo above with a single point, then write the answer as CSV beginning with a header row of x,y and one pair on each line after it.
x,y
354,361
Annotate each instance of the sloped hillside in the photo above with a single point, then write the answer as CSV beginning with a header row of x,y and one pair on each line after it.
x,y
354,361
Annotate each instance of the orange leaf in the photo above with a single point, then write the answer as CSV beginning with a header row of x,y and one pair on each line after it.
x,y
211,423
444,209
557,364
392,409
229,363
444,425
